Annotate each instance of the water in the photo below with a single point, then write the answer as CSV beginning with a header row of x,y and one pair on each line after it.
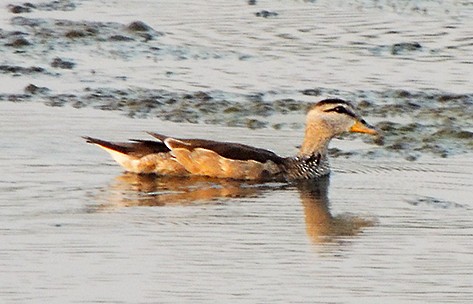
x,y
75,229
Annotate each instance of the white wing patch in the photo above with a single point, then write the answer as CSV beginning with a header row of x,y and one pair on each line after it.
x,y
155,163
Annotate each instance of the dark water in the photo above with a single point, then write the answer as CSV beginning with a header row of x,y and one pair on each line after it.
x,y
393,223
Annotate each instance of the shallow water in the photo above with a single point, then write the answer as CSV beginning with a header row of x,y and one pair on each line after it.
x,y
393,223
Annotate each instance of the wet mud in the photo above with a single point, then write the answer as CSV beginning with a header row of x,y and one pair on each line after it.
x,y
407,125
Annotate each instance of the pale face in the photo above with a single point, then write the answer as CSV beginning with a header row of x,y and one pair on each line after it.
x,y
334,118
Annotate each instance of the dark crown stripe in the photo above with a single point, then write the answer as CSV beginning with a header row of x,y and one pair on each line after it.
x,y
333,101
330,101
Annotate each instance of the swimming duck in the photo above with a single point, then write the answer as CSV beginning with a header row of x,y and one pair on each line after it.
x,y
184,157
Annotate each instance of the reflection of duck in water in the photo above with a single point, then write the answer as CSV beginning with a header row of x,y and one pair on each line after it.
x,y
321,226
130,190
188,157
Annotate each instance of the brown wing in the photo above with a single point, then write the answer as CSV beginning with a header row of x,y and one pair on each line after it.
x,y
228,150
136,148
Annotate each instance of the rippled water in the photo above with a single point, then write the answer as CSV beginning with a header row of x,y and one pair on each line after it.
x,y
221,45
75,229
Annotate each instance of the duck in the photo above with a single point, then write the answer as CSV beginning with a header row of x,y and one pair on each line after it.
x,y
170,156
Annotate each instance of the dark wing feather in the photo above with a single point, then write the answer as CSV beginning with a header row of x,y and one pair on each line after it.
x,y
236,151
161,137
136,148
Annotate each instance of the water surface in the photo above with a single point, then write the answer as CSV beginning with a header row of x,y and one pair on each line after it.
x,y
392,224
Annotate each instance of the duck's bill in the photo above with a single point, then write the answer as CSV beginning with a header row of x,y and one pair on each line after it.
x,y
363,127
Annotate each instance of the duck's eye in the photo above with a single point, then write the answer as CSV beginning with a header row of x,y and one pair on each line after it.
x,y
340,110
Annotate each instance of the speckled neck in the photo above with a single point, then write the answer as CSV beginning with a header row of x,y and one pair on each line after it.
x,y
306,166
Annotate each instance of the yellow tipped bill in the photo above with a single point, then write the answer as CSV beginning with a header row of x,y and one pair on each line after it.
x,y
363,127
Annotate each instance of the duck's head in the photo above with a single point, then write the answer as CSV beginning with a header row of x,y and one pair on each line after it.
x,y
329,118
335,116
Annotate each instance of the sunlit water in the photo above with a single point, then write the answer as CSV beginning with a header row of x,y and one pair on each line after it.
x,y
75,229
